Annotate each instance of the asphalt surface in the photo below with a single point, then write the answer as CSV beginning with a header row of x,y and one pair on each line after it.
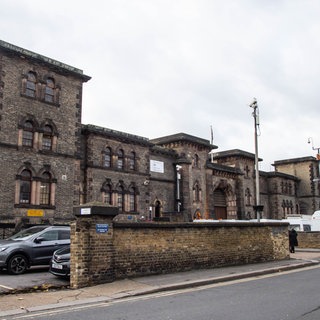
x,y
34,279
54,292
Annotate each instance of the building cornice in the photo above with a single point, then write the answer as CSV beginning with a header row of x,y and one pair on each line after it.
x,y
114,134
183,138
52,63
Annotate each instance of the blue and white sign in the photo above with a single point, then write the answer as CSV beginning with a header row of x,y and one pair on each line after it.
x,y
102,228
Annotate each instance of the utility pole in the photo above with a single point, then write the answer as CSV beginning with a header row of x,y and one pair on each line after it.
x,y
257,207
178,168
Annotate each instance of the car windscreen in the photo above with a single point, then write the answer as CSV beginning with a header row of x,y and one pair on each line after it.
x,y
24,234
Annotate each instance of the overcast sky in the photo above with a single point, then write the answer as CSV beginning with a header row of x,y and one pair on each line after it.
x,y
161,67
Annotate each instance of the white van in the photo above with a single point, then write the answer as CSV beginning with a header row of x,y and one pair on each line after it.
x,y
299,224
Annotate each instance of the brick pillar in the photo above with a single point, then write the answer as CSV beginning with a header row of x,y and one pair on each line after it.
x,y
92,252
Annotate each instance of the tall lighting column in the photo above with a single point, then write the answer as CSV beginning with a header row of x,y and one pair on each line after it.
x,y
255,115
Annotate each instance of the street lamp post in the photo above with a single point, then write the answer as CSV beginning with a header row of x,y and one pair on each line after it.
x,y
310,140
178,168
257,207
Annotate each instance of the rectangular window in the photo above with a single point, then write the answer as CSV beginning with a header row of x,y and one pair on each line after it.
x,y
25,192
107,198
120,163
45,193
132,202
131,164
46,143
27,138
107,161
120,201
49,95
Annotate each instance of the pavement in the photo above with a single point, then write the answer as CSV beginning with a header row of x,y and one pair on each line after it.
x,y
48,298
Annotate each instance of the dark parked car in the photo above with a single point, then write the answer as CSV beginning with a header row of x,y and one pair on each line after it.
x,y
60,262
32,246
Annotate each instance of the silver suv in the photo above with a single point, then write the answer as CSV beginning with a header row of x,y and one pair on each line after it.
x,y
32,246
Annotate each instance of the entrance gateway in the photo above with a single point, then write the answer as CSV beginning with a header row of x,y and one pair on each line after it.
x,y
220,204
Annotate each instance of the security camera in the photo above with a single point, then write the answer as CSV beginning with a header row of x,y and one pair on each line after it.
x,y
146,182
253,104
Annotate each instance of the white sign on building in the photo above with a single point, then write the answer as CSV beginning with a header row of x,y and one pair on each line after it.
x,y
157,166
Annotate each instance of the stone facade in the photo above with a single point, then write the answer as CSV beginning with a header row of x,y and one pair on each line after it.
x,y
40,128
51,162
305,169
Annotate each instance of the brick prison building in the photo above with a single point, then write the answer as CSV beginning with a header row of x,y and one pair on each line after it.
x,y
51,162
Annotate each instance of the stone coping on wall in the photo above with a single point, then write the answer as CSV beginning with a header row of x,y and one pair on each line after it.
x,y
226,224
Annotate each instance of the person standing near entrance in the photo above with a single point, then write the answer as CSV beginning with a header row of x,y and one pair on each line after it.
x,y
293,241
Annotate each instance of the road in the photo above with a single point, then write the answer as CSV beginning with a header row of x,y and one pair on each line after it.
x,y
292,295
34,277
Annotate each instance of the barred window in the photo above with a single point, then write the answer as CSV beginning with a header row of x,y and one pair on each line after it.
x,y
49,90
107,158
45,188
132,199
107,195
31,85
27,136
121,198
120,159
25,187
132,161
47,137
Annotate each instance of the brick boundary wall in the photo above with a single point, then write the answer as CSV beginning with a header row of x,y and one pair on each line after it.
x,y
164,248
309,240
142,248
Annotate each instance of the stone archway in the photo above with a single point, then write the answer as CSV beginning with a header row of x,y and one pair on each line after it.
x,y
157,209
220,204
224,201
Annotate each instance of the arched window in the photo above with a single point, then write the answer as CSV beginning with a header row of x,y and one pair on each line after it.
x,y
248,197
47,138
132,199
196,192
45,188
31,85
121,198
107,194
196,161
246,170
49,90
132,161
120,159
290,189
25,187
283,208
27,135
107,158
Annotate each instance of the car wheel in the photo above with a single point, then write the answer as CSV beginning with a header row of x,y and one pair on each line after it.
x,y
17,264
